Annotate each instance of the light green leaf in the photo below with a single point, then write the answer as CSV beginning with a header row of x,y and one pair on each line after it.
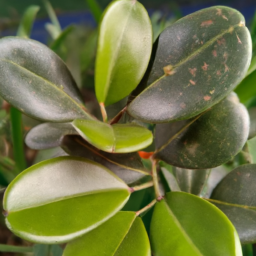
x,y
119,138
124,49
184,224
122,235
37,82
60,199
27,21
17,249
200,59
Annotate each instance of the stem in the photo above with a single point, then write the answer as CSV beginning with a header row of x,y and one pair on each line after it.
x,y
17,137
118,116
18,249
146,207
95,9
103,112
142,186
155,180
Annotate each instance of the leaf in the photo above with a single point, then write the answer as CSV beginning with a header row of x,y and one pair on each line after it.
x,y
119,138
184,224
41,249
124,49
170,180
27,21
191,181
246,90
128,166
200,59
235,196
60,199
48,135
252,150
207,141
56,250
17,249
122,235
252,114
37,82
57,43
95,9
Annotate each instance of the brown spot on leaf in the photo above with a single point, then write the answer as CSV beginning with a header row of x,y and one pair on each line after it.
x,y
214,53
225,56
226,68
168,70
178,37
218,73
192,82
224,17
183,105
241,24
230,30
206,23
205,66
212,92
207,98
238,39
219,12
181,93
192,71
221,41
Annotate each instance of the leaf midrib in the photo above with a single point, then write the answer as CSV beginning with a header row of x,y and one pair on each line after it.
x,y
199,50
246,207
81,107
182,229
66,198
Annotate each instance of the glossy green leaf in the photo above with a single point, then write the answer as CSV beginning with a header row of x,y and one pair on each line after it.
x,y
48,135
170,180
119,138
122,235
60,199
184,224
95,9
235,195
191,181
206,141
27,21
246,89
251,144
128,166
124,49
37,82
199,60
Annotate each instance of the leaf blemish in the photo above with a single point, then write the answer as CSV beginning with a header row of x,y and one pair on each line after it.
x,y
224,17
192,82
183,105
222,41
219,12
218,73
206,23
214,53
205,66
168,70
207,98
212,92
226,68
238,39
192,71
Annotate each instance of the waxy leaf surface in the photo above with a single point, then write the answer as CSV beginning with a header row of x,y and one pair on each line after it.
x,y
184,224
199,60
119,138
128,166
206,141
191,181
122,235
48,135
60,199
235,195
37,82
124,49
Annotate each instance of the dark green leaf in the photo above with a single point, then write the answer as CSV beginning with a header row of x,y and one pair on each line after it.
x,y
119,138
56,250
251,144
122,235
58,42
41,249
246,89
191,181
37,82
235,196
48,135
199,60
206,141
184,224
128,167
252,114
124,49
63,198
27,21
95,9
